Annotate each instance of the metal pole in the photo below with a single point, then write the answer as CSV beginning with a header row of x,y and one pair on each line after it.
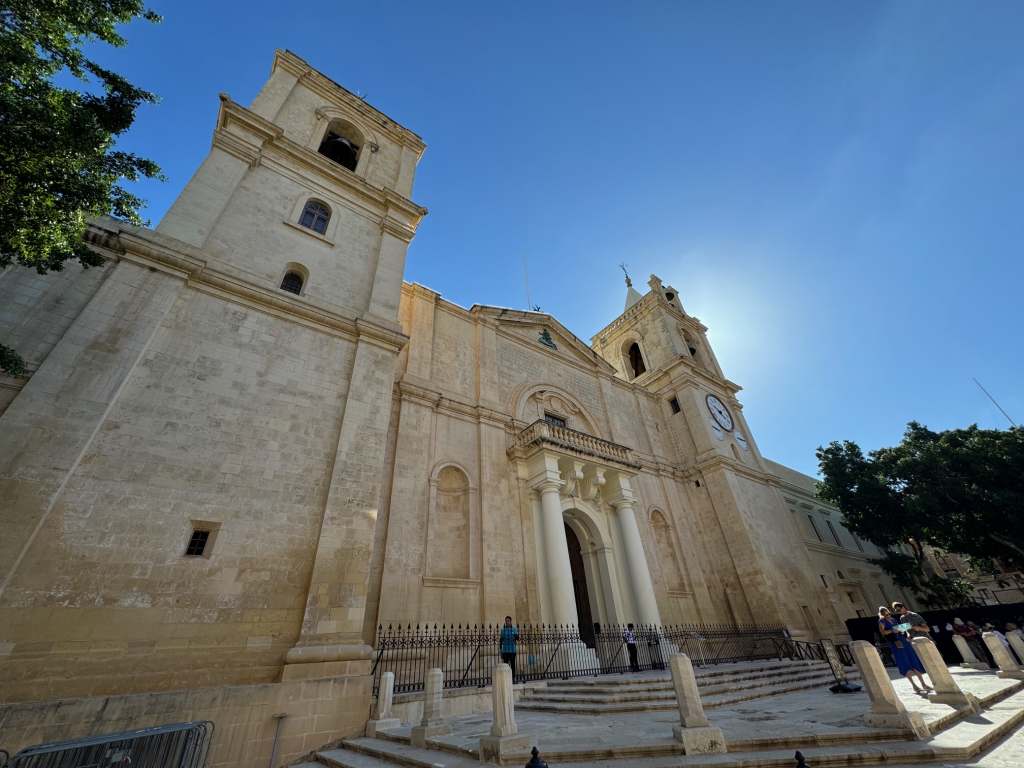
x,y
279,717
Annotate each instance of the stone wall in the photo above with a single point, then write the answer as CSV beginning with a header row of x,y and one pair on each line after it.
x,y
227,418
317,712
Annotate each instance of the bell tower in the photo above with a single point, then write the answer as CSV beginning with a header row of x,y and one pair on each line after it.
x,y
657,345
306,191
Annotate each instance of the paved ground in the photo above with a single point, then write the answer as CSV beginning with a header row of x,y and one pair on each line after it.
x,y
806,718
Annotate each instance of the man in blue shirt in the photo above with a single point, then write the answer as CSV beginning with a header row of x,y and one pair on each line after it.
x,y
509,636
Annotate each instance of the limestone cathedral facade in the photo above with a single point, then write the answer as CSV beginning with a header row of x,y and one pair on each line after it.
x,y
244,442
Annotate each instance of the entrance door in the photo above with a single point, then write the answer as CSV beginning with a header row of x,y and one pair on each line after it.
x,y
579,587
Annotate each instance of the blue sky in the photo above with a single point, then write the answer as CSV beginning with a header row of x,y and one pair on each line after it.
x,y
834,188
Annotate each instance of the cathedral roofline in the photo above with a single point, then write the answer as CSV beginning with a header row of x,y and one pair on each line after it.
x,y
292,62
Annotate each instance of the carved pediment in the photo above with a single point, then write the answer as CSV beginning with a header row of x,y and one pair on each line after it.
x,y
545,333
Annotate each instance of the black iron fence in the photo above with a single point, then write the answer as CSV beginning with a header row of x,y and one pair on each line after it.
x,y
468,654
181,745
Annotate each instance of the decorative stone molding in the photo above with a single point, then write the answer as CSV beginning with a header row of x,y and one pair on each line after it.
x,y
327,88
124,242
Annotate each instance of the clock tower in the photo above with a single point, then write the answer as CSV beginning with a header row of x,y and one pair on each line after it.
x,y
730,491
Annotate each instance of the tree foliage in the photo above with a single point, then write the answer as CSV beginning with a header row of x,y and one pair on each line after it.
x,y
58,162
961,491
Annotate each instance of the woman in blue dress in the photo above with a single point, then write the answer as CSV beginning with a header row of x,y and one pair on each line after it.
x,y
903,653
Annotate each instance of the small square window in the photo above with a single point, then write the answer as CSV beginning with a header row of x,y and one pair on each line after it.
x,y
674,405
197,544
555,421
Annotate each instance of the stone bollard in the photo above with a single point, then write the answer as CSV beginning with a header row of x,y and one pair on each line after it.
x,y
1017,643
969,659
433,722
694,732
1004,660
382,719
504,739
946,689
887,711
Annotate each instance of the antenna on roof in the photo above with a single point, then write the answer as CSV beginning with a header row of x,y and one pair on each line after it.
x,y
526,279
997,405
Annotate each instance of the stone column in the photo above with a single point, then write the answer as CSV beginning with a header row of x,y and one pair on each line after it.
x,y
887,711
433,722
694,731
556,554
946,689
504,739
382,719
1017,643
645,607
1004,660
970,660
331,641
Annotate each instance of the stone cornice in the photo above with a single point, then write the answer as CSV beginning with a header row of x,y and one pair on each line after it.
x,y
411,388
319,83
123,242
832,549
683,371
720,462
239,129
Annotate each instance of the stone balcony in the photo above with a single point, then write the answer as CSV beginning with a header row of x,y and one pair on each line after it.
x,y
570,442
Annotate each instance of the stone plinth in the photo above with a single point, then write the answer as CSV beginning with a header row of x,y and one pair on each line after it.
x,y
969,659
1017,644
1008,667
887,711
946,689
694,732
504,739
433,723
382,719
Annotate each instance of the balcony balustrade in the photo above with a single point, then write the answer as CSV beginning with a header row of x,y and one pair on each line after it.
x,y
544,434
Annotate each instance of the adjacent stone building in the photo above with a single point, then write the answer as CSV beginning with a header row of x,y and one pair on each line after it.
x,y
244,442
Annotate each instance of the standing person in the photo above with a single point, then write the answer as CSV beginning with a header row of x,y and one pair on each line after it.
x,y
903,653
630,638
918,626
509,636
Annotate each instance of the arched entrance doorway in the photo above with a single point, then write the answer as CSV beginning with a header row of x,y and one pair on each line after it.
x,y
579,587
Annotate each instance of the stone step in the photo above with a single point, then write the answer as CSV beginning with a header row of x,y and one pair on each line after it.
x,y
664,682
346,758
391,753
657,705
601,695
701,673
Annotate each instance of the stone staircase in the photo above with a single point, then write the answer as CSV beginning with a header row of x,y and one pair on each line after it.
x,y
957,735
719,686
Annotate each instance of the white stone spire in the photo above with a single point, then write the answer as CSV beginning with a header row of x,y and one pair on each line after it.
x,y
632,296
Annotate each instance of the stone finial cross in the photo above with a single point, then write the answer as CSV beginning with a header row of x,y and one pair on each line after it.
x,y
504,739
1008,667
947,691
433,722
382,719
694,732
887,711
970,660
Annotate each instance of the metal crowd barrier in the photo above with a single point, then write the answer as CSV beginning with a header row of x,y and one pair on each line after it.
x,y
181,745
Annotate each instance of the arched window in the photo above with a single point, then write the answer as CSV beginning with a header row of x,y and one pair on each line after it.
x,y
449,527
341,144
636,360
292,282
671,569
315,216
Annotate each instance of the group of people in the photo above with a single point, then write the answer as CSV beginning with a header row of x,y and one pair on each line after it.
x,y
509,639
898,626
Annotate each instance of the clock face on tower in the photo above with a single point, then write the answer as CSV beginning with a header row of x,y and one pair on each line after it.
x,y
719,413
